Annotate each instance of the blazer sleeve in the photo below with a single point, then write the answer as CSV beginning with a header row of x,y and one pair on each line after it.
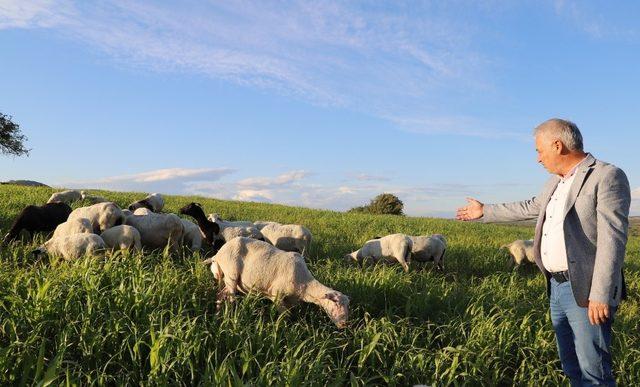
x,y
514,211
612,216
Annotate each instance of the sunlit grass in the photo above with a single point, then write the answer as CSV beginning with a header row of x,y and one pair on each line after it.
x,y
151,318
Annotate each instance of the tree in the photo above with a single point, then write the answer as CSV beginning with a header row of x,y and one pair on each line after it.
x,y
11,138
385,203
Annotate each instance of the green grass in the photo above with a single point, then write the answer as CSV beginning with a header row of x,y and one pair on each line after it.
x,y
150,319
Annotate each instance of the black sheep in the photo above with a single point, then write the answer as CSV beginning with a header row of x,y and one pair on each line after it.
x,y
38,218
207,227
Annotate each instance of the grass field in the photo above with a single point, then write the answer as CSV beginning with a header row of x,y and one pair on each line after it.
x,y
150,319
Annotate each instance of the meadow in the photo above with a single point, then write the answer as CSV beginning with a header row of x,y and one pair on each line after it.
x,y
150,318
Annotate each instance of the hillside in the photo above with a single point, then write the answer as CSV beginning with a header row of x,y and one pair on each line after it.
x,y
150,319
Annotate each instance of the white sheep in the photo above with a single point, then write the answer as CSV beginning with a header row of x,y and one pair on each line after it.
x,y
102,216
429,249
234,229
154,202
68,196
287,237
260,224
93,199
72,227
192,235
520,251
73,246
247,264
122,237
228,223
391,247
157,230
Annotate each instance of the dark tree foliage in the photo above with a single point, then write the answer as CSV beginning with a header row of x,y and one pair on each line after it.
x,y
385,203
11,138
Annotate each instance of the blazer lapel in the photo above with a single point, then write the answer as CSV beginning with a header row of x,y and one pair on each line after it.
x,y
578,182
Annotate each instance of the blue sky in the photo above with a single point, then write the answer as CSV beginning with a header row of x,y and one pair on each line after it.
x,y
319,104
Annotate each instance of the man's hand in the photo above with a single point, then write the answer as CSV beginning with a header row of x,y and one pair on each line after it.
x,y
598,312
473,210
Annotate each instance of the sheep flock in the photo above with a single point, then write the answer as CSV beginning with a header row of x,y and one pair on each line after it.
x,y
262,256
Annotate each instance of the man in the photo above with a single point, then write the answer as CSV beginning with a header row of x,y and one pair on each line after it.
x,y
580,241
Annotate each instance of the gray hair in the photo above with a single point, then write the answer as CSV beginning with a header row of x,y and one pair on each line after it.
x,y
565,131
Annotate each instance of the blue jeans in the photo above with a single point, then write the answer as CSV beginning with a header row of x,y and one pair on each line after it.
x,y
584,349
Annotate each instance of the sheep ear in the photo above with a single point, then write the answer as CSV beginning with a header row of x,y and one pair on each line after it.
x,y
198,204
333,297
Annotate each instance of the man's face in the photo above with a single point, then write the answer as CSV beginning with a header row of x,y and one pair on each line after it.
x,y
548,152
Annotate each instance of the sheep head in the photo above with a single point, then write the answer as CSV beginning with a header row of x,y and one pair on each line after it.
x,y
336,305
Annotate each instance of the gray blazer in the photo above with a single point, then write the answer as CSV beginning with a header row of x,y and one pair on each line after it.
x,y
596,222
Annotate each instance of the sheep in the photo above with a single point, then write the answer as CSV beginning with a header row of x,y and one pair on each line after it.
x,y
72,246
208,228
93,199
102,216
247,264
520,251
287,237
68,196
230,230
157,230
154,202
38,218
227,223
72,227
122,237
429,249
394,246
260,224
192,235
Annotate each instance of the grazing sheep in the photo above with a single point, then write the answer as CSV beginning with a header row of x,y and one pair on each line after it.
x,y
429,249
38,218
230,230
227,223
154,202
260,224
247,264
73,246
93,199
192,235
520,251
208,228
122,237
68,196
394,246
157,230
72,227
287,237
102,216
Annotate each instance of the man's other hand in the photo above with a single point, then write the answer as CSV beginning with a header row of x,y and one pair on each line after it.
x,y
598,312
473,210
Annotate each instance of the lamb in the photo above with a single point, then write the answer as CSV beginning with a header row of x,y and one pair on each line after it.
x,y
230,230
429,249
154,202
73,246
227,223
122,237
247,264
520,251
102,216
208,228
93,199
38,218
68,196
72,227
394,246
287,237
157,230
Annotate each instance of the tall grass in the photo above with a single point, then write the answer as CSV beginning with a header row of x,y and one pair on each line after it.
x,y
151,319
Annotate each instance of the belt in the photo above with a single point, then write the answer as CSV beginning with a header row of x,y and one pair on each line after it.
x,y
560,276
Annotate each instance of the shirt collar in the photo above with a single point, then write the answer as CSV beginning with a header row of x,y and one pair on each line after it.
x,y
574,169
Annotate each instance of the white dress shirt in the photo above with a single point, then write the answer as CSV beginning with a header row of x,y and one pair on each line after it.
x,y
552,246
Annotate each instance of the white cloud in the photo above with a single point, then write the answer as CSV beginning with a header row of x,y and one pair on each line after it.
x,y
170,180
278,181
387,63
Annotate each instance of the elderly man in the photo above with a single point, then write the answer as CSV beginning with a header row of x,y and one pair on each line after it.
x,y
580,241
